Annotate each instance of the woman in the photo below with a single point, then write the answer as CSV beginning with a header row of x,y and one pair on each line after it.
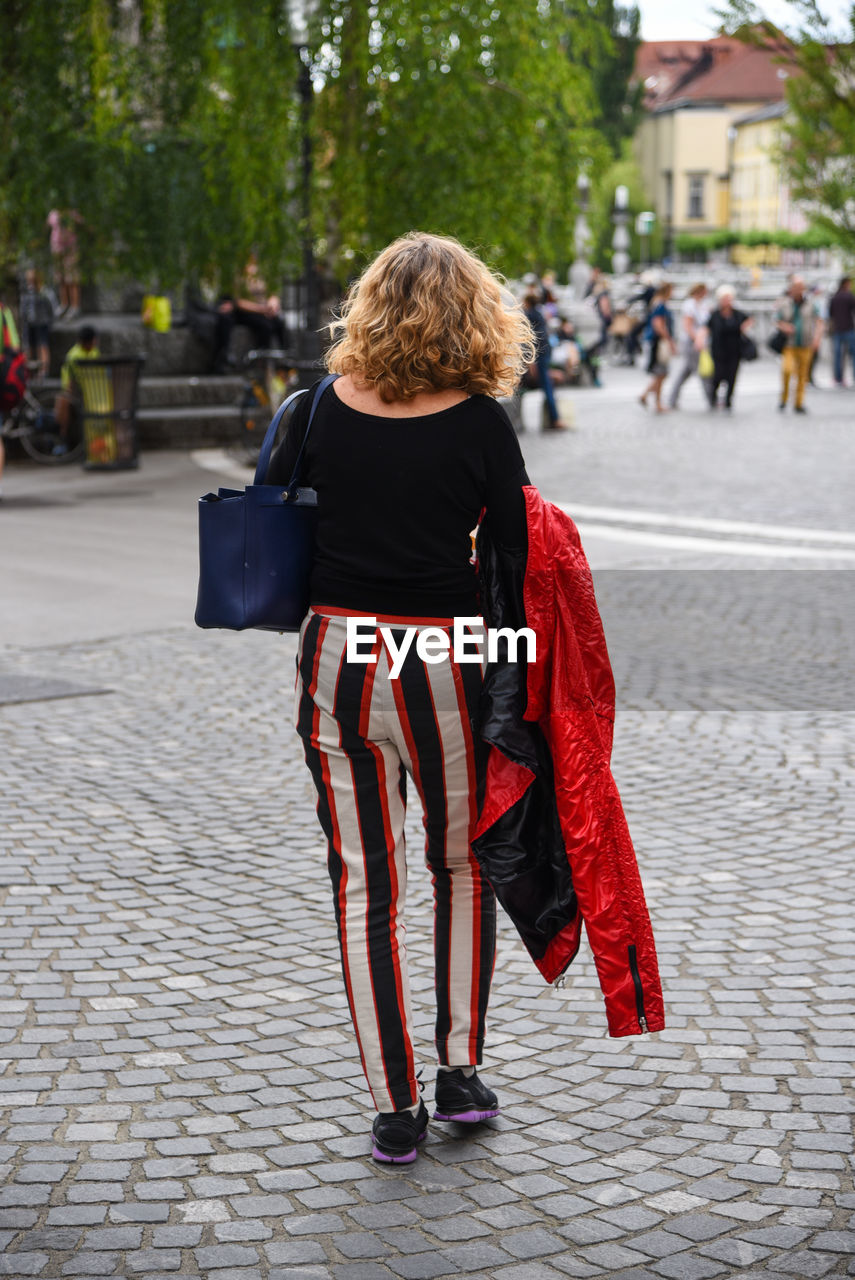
x,y
406,450
726,326
694,316
662,346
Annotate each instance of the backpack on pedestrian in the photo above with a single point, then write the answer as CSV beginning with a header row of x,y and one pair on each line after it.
x,y
13,378
13,365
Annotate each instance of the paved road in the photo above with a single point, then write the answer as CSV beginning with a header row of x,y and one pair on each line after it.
x,y
179,1092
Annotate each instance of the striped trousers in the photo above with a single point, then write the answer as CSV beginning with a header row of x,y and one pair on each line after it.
x,y
363,733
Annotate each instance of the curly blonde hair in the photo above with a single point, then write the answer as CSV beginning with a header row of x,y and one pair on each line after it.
x,y
427,315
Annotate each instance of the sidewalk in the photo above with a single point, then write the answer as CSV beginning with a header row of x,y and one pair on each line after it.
x,y
180,1093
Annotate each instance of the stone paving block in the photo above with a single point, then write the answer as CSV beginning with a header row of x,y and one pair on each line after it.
x,y
807,1265
360,1271
293,1252
507,1215
54,1239
225,1255
237,1273
97,1193
735,1252
387,1215
403,1240
20,1265
246,1229
324,1197
835,1241
659,1244
17,1219
139,1212
161,1189
528,1271
610,1256
91,1264
572,1266
314,1224
147,1260
360,1244
686,1266
472,1257
532,1243
119,1239
700,1226
421,1267
304,1273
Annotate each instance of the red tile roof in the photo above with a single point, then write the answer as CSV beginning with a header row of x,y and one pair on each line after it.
x,y
718,70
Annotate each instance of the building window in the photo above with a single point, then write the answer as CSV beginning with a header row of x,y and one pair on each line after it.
x,y
696,195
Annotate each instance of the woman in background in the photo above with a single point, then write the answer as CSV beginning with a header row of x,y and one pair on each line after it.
x,y
662,346
726,326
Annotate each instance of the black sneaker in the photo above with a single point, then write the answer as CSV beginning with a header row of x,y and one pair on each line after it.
x,y
800,409
463,1098
394,1135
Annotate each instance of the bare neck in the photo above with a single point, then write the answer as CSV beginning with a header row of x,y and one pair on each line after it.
x,y
362,396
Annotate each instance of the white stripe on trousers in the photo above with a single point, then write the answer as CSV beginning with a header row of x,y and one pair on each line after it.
x,y
358,736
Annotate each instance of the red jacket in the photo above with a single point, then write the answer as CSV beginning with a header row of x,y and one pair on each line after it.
x,y
552,836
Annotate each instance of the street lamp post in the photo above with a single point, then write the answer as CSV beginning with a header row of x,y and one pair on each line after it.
x,y
580,272
300,13
620,239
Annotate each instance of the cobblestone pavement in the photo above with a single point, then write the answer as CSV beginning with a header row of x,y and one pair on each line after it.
x,y
179,1089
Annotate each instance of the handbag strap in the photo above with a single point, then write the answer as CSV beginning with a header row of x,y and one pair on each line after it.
x,y
270,436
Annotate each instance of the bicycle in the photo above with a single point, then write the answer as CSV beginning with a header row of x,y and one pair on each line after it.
x,y
39,433
269,378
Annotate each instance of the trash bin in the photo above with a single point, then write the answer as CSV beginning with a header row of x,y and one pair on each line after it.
x,y
108,389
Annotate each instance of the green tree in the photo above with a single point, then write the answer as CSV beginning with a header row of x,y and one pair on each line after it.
x,y
605,37
466,117
165,125
818,134
174,128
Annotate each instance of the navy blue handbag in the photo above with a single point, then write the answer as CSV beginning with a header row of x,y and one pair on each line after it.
x,y
256,545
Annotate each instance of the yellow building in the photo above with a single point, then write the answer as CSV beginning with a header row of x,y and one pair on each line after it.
x,y
759,195
696,92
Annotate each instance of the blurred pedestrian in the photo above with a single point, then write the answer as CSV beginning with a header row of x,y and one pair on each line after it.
x,y
598,292
727,325
660,335
85,348
265,321
570,355
9,348
798,317
548,294
542,359
37,307
694,315
841,316
645,297
63,224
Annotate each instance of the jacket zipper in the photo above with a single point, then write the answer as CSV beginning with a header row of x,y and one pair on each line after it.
x,y
639,990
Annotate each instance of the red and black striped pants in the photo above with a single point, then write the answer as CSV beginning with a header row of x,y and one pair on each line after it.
x,y
362,733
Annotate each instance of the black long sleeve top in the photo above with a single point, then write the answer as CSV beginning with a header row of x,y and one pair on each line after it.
x,y
398,498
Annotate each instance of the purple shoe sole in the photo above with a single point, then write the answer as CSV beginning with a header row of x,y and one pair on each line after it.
x,y
466,1117
407,1158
